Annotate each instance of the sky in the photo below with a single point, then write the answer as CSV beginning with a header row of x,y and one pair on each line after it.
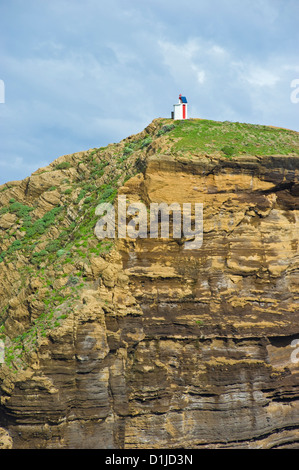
x,y
77,75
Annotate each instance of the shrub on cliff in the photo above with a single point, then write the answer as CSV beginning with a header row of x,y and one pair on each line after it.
x,y
62,166
228,151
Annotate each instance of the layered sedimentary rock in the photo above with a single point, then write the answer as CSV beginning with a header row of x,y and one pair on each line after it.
x,y
167,347
219,320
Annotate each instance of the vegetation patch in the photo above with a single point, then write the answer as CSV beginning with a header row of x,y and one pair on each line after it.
x,y
164,129
201,136
62,166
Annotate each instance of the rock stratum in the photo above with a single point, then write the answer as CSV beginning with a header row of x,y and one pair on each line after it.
x,y
141,343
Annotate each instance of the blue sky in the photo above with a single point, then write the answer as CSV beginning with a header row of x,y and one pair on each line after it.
x,y
80,75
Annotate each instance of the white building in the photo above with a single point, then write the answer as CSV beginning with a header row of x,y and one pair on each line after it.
x,y
180,109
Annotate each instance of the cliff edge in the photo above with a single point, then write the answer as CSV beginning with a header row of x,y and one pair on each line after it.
x,y
142,343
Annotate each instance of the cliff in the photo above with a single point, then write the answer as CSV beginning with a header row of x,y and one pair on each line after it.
x,y
142,343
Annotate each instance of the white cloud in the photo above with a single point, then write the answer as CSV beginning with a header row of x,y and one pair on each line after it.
x,y
81,74
184,61
259,76
201,76
218,50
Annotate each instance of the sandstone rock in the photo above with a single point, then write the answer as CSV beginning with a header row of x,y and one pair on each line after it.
x,y
97,266
161,346
7,220
5,439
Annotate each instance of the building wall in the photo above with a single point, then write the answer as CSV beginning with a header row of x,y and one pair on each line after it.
x,y
178,111
178,114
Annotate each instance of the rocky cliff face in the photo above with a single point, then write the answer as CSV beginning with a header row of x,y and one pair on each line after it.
x,y
144,343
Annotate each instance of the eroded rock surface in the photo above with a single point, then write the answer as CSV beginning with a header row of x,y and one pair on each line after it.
x,y
166,347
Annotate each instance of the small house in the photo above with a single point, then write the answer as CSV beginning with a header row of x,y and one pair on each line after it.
x,y
180,109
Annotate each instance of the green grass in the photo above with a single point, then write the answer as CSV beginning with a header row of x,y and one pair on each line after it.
x,y
232,138
33,231
25,343
165,129
17,208
62,166
135,145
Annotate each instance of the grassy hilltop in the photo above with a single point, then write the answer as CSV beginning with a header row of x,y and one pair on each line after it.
x,y
232,138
